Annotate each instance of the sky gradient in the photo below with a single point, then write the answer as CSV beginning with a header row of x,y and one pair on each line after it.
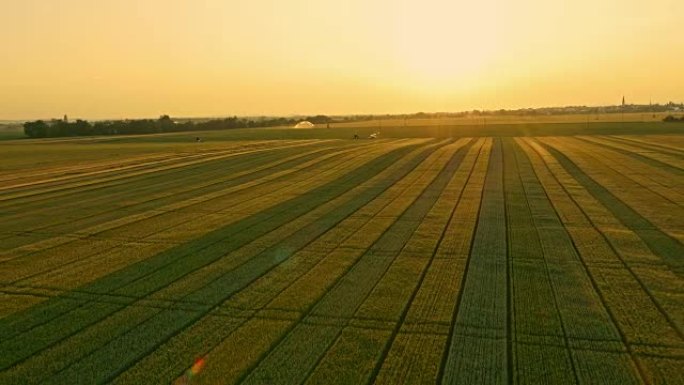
x,y
118,59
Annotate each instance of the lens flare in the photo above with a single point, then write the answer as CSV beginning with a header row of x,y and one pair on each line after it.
x,y
194,370
196,367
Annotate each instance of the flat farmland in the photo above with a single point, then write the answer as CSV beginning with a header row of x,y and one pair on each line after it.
x,y
286,259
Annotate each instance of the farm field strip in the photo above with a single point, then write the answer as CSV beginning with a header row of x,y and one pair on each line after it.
x,y
262,291
74,171
77,218
283,232
631,306
640,161
169,177
122,194
665,144
665,140
381,203
155,203
582,313
537,328
366,224
659,217
376,162
304,301
666,185
348,294
258,206
419,338
30,264
616,245
171,160
666,244
78,167
619,168
661,162
389,301
287,238
134,173
631,249
393,261
226,294
655,143
478,346
167,197
97,231
101,219
60,174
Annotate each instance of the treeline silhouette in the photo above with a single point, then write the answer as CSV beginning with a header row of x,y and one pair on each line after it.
x,y
60,128
671,118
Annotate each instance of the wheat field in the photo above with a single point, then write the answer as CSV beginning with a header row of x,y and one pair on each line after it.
x,y
401,260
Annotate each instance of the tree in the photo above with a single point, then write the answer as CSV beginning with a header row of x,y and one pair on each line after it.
x,y
37,129
319,119
81,128
165,124
670,119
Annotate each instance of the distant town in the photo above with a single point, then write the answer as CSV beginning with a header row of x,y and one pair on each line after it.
x,y
80,127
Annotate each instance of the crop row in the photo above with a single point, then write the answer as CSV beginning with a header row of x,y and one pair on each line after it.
x,y
390,300
85,213
634,311
265,201
665,144
278,244
226,284
356,288
108,203
601,239
155,207
537,329
477,347
304,286
193,205
38,196
30,265
417,349
65,174
579,306
658,160
614,190
505,260
652,177
624,207
295,232
301,204
264,289
358,232
214,237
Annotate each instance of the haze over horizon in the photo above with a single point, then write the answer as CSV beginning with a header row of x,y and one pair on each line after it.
x,y
128,59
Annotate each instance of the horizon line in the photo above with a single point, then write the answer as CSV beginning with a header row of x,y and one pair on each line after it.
x,y
375,114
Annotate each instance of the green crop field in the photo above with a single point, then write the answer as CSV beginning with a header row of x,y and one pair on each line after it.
x,y
460,253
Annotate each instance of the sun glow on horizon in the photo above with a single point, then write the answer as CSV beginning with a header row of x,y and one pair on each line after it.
x,y
127,58
449,45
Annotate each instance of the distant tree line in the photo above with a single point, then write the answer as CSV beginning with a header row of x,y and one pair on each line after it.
x,y
60,128
671,118
541,111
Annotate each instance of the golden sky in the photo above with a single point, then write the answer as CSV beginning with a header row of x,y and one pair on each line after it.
x,y
142,58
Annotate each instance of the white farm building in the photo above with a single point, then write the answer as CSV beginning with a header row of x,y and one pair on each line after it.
x,y
304,124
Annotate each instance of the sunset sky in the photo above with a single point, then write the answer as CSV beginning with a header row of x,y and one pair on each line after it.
x,y
142,58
